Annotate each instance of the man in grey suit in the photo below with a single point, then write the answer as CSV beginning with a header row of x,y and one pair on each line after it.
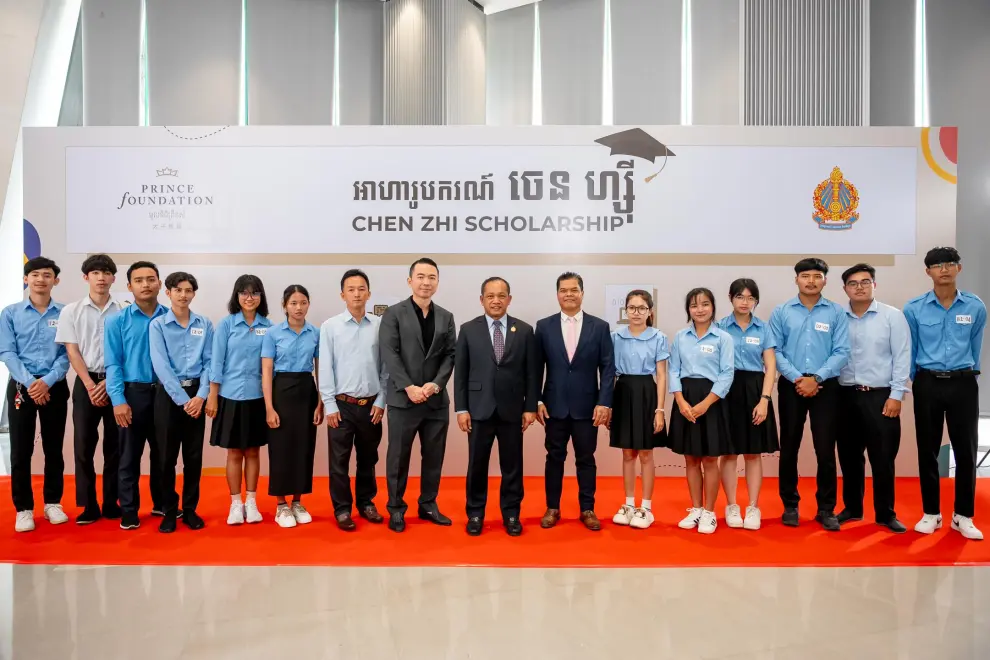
x,y
417,340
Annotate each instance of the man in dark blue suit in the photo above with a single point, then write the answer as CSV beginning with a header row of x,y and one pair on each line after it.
x,y
576,350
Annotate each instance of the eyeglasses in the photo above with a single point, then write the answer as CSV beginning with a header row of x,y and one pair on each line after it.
x,y
745,299
637,310
859,284
946,266
249,294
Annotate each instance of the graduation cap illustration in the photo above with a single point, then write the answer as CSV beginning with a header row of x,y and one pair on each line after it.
x,y
637,142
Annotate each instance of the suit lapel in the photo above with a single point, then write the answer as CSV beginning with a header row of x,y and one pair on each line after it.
x,y
412,309
508,325
558,336
585,336
437,328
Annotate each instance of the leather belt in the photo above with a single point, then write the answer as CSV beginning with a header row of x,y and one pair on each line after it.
x,y
944,375
98,375
867,388
357,402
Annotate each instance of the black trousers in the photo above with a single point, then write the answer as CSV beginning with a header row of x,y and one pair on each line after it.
x,y
175,430
824,411
403,425
86,420
141,398
356,432
954,402
865,429
510,462
584,435
23,423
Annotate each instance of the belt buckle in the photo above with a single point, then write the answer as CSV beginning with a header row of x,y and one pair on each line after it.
x,y
186,383
362,402
864,388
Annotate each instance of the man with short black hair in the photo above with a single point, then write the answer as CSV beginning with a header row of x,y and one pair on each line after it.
x,y
947,337
812,335
80,330
36,390
873,384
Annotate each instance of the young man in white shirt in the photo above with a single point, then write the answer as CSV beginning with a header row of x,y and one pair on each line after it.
x,y
80,330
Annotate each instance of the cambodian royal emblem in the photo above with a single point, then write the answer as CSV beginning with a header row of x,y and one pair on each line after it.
x,y
836,200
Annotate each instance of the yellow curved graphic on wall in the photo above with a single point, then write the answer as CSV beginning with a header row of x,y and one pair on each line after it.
x,y
926,149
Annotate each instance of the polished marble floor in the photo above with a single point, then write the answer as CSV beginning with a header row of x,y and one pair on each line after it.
x,y
151,613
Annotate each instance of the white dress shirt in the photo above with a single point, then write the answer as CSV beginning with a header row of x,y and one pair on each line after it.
x,y
81,323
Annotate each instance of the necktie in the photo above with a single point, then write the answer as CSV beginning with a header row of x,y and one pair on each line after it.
x,y
571,337
498,341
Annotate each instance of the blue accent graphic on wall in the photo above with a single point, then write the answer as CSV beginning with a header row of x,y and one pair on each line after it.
x,y
32,242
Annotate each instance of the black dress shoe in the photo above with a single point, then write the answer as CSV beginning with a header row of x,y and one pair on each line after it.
x,y
847,516
790,517
168,523
346,523
828,521
129,521
894,525
474,525
512,526
370,513
434,516
192,520
88,516
397,522
111,511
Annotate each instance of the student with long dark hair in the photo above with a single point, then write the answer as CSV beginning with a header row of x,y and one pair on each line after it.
x,y
236,402
290,356
701,369
641,353
752,424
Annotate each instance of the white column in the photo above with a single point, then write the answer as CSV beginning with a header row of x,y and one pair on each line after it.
x,y
111,35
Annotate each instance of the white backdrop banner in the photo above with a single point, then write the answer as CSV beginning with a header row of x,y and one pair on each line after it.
x,y
413,195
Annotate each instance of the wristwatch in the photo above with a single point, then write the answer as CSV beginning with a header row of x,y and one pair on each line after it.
x,y
818,379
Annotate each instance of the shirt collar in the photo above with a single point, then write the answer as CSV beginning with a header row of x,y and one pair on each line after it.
x,y
170,318
418,309
348,318
754,321
51,304
796,301
491,322
692,331
931,297
646,335
874,307
135,309
284,325
112,302
579,317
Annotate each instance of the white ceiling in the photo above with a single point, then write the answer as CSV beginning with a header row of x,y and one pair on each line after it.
x,y
493,6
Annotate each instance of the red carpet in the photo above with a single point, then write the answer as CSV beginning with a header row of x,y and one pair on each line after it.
x,y
568,545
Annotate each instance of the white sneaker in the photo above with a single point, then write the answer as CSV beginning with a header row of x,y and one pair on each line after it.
x,y
708,523
236,515
732,517
300,513
642,518
752,521
625,515
251,513
928,524
692,518
284,517
965,526
55,515
24,522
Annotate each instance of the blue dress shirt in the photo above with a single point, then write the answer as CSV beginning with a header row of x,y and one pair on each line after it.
x,y
638,356
946,339
748,345
236,361
810,342
880,342
352,362
27,343
179,354
127,350
292,352
709,356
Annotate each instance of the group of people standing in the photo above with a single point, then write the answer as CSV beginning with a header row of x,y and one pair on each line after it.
x,y
151,375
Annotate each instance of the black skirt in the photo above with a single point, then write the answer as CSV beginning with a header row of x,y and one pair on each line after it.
x,y
747,438
292,446
239,424
709,436
634,405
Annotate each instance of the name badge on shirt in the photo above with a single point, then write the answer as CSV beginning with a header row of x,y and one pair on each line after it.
x,y
53,323
261,332
964,319
705,348
755,341
197,332
822,327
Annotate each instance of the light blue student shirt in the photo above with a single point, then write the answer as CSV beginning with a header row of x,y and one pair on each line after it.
x,y
709,356
880,342
810,342
292,352
352,362
27,343
179,354
638,356
127,350
748,345
236,361
946,339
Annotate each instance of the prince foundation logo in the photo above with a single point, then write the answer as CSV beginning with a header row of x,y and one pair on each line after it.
x,y
168,199
836,202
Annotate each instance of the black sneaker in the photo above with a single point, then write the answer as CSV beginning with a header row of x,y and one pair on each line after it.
x,y
790,517
111,511
848,516
159,512
828,521
191,520
168,524
88,516
130,521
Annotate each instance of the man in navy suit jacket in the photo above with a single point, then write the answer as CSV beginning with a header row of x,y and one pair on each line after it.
x,y
576,350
